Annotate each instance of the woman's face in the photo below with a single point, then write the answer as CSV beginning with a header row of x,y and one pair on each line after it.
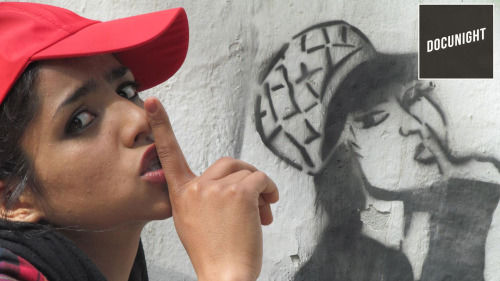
x,y
391,137
87,142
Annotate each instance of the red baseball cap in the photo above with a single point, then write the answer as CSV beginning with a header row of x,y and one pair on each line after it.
x,y
152,45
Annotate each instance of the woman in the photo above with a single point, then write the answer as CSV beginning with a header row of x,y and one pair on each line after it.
x,y
85,163
365,104
398,204
382,121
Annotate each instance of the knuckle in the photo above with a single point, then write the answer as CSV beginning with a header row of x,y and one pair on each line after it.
x,y
165,150
193,190
233,189
246,173
240,192
226,162
196,187
260,176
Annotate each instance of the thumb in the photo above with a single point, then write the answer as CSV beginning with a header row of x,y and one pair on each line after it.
x,y
175,167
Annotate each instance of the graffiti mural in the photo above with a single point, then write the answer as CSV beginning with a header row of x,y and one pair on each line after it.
x,y
367,130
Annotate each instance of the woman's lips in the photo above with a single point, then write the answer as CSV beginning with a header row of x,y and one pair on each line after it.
x,y
157,176
424,155
150,169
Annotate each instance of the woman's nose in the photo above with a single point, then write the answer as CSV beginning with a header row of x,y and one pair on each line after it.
x,y
410,125
135,127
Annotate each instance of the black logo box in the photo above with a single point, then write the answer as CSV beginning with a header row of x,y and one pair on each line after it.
x,y
455,41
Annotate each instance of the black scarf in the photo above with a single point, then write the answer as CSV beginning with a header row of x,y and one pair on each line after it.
x,y
55,256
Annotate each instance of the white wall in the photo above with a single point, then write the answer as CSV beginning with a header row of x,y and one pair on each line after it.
x,y
211,104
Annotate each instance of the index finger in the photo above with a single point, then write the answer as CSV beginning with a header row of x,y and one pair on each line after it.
x,y
263,185
175,167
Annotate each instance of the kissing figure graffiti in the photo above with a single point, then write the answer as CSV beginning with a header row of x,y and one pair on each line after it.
x,y
366,129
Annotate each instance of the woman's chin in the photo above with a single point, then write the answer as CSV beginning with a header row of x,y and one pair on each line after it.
x,y
162,213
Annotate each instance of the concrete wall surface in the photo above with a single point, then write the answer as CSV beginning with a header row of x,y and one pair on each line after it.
x,y
381,176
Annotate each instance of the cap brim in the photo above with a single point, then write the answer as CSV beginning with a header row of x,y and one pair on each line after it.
x,y
152,45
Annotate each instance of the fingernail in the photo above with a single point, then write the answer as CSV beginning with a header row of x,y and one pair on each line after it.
x,y
151,107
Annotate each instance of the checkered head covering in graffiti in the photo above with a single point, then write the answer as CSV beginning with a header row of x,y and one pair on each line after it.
x,y
297,86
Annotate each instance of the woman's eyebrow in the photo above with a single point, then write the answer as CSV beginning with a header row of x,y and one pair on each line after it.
x,y
91,85
85,89
116,73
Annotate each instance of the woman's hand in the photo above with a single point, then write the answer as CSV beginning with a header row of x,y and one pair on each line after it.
x,y
217,215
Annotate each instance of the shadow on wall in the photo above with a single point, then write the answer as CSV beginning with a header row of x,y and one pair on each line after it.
x,y
364,127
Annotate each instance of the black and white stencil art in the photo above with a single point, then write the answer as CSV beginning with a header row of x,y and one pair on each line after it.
x,y
361,124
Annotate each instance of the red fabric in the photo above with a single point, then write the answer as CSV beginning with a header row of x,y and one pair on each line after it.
x,y
13,267
152,45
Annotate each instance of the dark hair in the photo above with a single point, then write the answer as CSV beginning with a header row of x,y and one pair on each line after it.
x,y
339,191
16,112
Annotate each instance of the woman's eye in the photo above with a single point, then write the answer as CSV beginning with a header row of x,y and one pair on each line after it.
x,y
79,122
128,90
372,119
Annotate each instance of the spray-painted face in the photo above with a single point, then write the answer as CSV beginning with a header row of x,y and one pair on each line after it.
x,y
395,139
329,87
